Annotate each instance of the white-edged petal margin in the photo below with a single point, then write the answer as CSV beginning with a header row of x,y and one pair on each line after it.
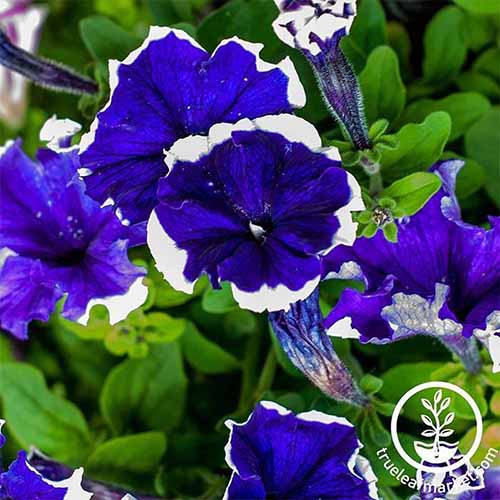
x,y
296,91
72,483
57,133
170,260
155,33
119,306
272,299
358,465
491,338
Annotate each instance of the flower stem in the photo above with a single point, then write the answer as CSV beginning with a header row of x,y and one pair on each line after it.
x,y
249,372
466,350
267,375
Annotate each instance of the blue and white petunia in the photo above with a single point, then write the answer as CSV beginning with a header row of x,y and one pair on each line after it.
x,y
255,204
276,454
168,89
55,241
22,482
312,25
441,278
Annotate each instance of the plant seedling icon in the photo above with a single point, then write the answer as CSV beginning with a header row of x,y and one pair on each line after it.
x,y
439,451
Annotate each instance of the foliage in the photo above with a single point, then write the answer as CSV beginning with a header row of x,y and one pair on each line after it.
x,y
110,398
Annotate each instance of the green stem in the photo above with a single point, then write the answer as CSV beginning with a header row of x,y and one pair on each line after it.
x,y
267,375
249,372
376,185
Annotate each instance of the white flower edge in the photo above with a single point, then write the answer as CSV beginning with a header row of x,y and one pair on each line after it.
x,y
119,306
491,339
72,483
296,92
306,21
155,33
356,461
58,132
270,299
170,260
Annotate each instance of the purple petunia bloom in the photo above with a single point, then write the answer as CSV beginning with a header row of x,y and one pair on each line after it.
x,y
254,204
168,89
276,454
311,25
55,240
441,278
22,482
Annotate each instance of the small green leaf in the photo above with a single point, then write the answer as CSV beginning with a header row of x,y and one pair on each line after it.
x,y
106,40
479,6
161,328
219,301
399,40
370,384
205,355
150,392
37,417
129,461
370,230
488,63
478,82
482,143
384,93
464,108
377,129
444,46
479,30
413,192
391,232
420,146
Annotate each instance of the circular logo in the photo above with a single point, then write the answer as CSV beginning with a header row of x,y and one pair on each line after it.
x,y
438,451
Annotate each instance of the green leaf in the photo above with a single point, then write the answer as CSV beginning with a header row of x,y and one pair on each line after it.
x,y
125,11
159,328
478,82
204,355
384,93
399,40
413,192
150,392
367,33
219,301
370,384
444,46
37,417
464,108
480,6
471,177
482,143
488,63
391,232
479,30
6,354
129,461
495,403
420,145
106,40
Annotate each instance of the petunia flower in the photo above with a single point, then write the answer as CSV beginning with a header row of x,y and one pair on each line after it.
x,y
21,22
22,482
255,204
441,278
168,89
57,241
312,25
276,454
302,335
316,27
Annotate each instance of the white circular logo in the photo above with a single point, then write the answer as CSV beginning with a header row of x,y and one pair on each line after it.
x,y
438,450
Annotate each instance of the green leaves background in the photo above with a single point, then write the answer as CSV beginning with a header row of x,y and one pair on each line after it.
x,y
141,404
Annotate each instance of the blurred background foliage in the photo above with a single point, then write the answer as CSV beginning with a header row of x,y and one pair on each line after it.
x,y
142,403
